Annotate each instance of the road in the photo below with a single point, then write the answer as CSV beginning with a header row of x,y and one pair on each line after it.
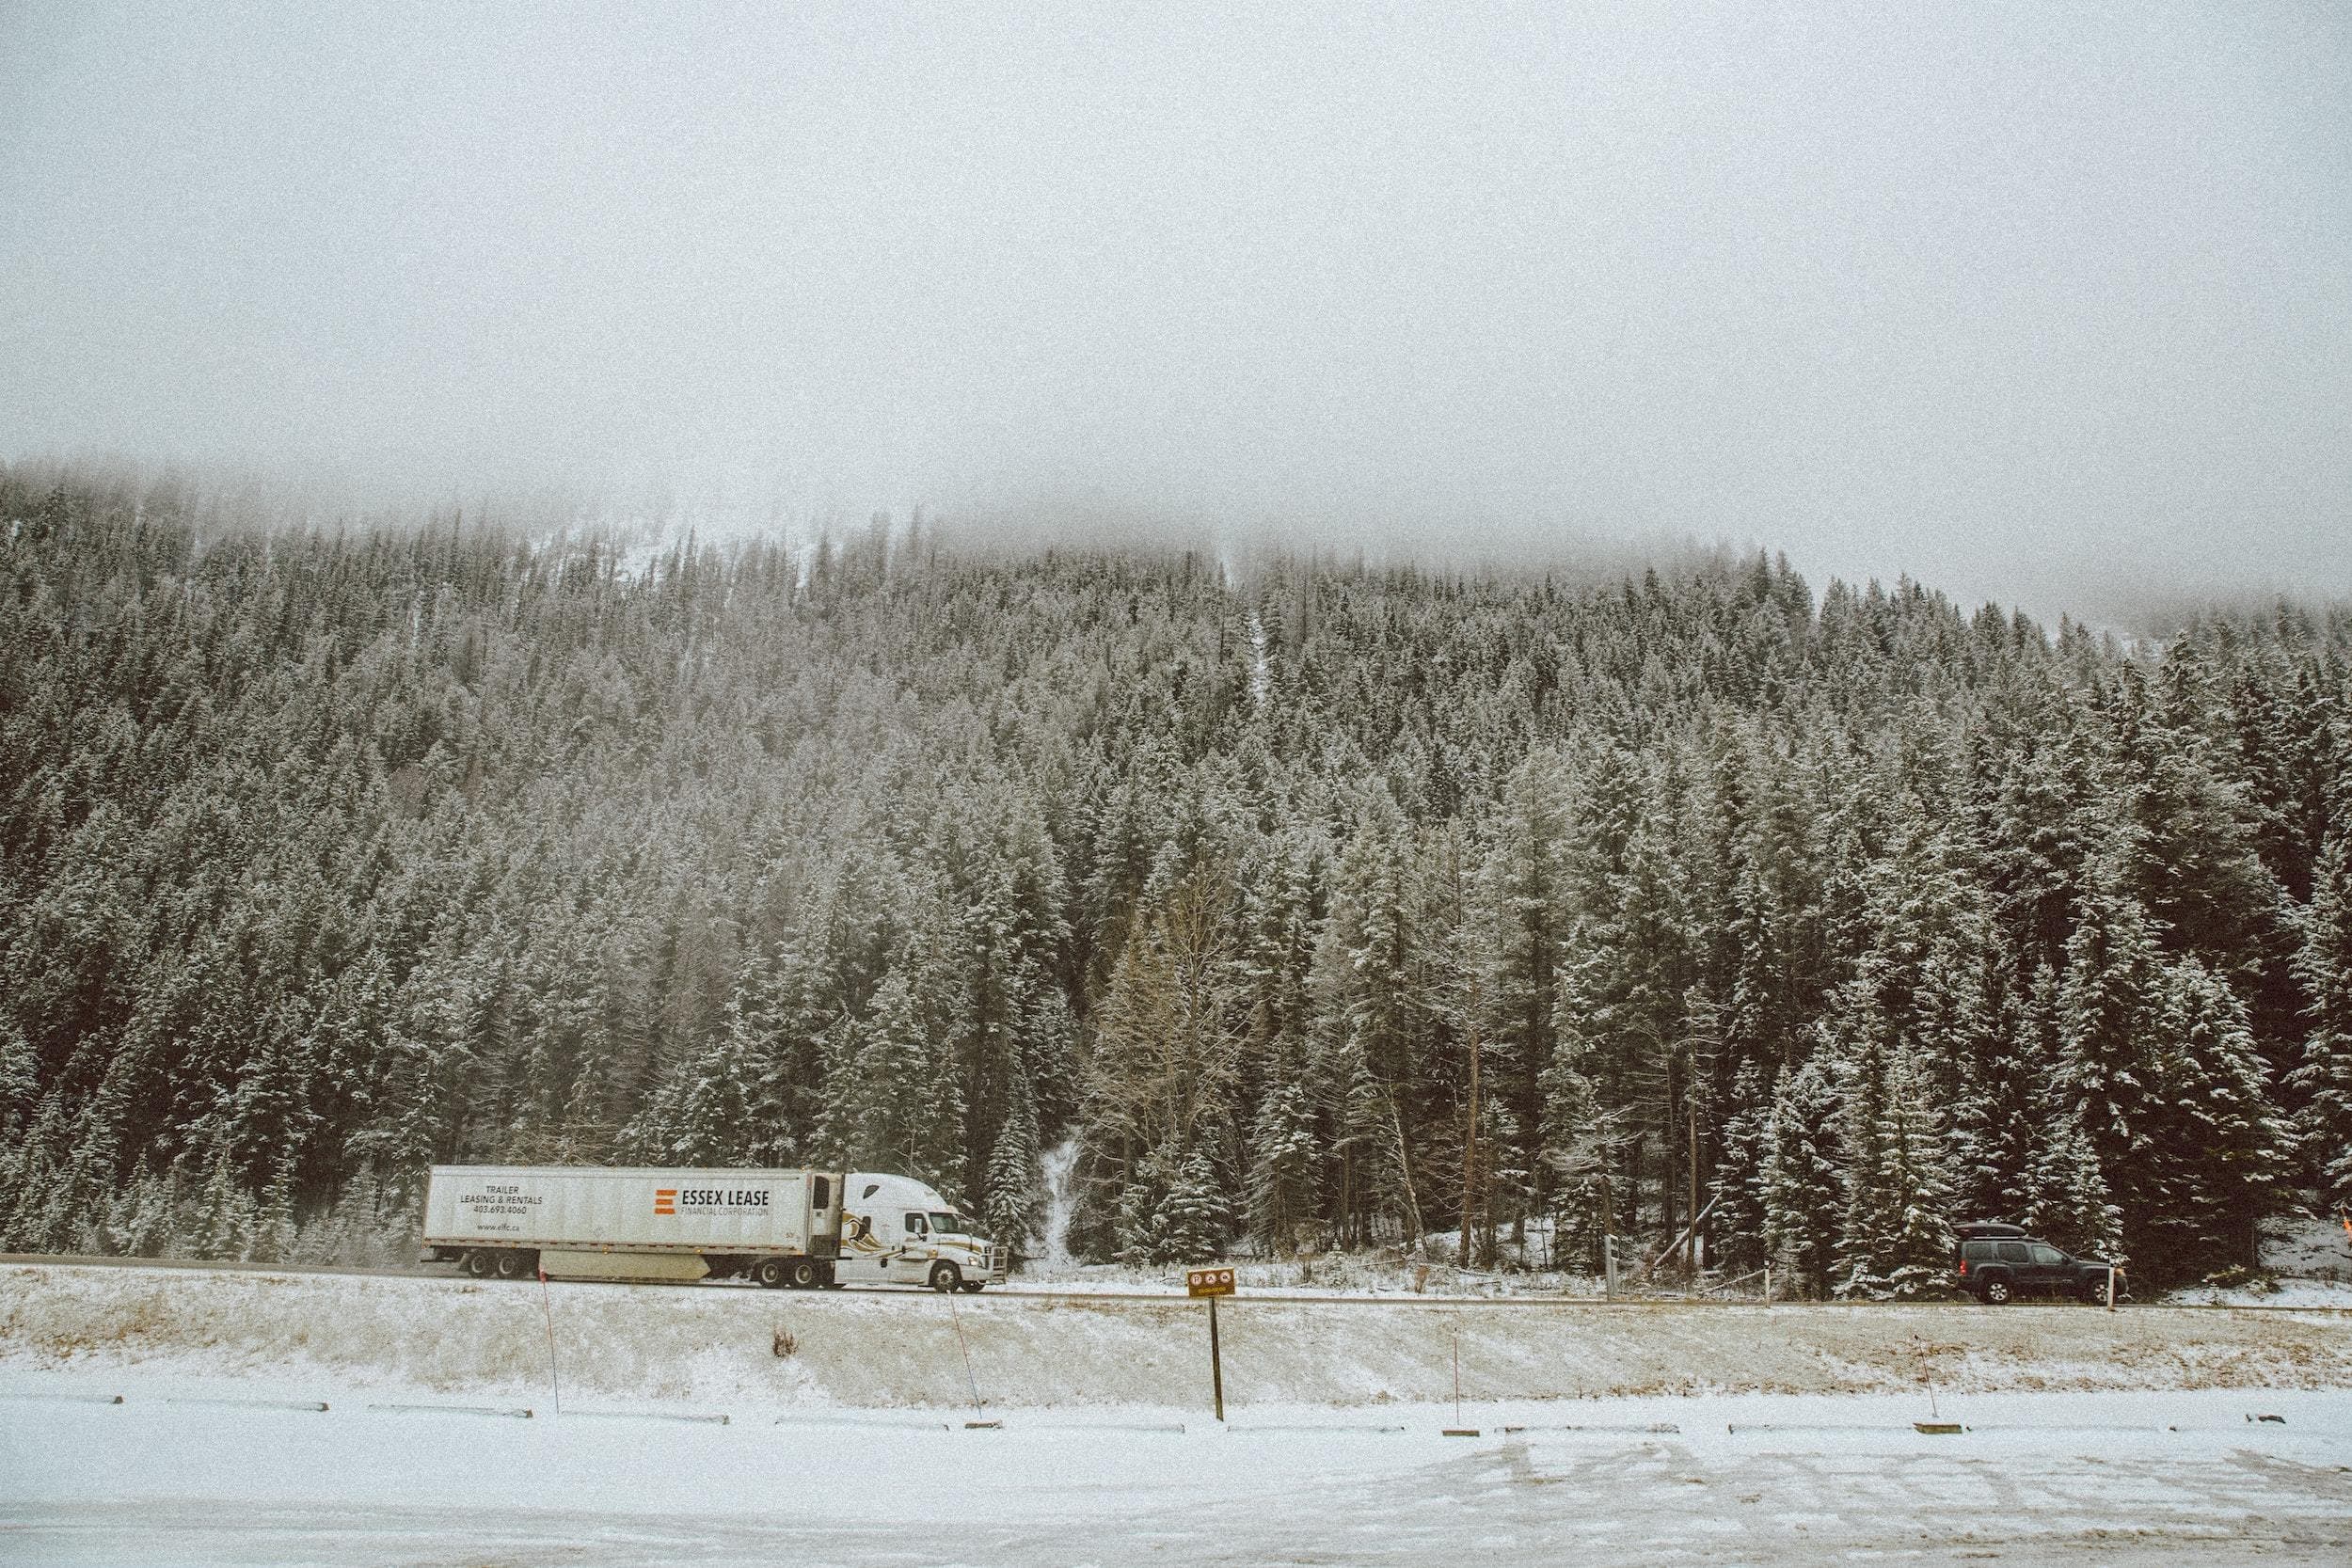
x,y
1067,1292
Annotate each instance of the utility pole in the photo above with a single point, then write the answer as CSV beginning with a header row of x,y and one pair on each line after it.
x,y
1470,1137
1469,1127
1608,1227
1691,1255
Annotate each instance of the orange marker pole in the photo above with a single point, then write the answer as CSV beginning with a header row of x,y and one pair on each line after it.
x,y
549,1308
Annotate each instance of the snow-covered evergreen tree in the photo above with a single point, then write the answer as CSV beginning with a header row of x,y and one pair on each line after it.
x,y
1803,1183
2219,1152
2324,1077
1284,1152
1015,1208
1896,1240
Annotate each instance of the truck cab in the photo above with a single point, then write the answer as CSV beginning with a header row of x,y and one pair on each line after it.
x,y
896,1230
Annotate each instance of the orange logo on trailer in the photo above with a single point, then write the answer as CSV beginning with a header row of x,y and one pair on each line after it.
x,y
665,1200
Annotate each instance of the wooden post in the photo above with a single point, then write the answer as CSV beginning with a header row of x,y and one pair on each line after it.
x,y
2110,1287
1217,1362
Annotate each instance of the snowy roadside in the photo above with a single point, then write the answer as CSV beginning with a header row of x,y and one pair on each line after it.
x,y
753,1351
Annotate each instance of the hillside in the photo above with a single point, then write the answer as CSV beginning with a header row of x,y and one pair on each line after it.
x,y
326,856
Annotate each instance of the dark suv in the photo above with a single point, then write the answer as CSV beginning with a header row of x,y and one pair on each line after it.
x,y
1999,1263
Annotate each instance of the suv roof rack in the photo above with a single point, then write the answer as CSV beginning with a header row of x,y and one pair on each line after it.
x,y
1977,1229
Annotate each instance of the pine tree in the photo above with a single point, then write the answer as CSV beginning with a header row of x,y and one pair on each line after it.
x,y
899,1108
1015,1205
2219,1155
2324,965
1897,1239
2110,1012
1803,1185
701,1113
2065,1195
1284,1152
1192,1220
1167,1046
1737,1183
1520,895
20,1088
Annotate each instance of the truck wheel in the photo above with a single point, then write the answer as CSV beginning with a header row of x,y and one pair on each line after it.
x,y
480,1263
513,1265
804,1275
1994,1293
769,1272
946,1278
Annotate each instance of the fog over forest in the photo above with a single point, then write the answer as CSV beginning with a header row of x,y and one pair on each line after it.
x,y
2045,305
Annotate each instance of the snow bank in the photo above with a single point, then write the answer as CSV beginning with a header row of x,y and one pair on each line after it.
x,y
716,1347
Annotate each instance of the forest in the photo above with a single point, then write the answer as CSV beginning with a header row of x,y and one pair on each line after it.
x,y
1322,903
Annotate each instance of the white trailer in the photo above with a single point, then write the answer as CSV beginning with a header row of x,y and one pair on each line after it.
x,y
895,1231
652,1223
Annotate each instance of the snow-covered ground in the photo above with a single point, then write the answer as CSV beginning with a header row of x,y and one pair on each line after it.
x,y
2112,1477
717,1345
1659,1434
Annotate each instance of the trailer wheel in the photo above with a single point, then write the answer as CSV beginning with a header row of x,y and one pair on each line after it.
x,y
804,1275
769,1272
515,1265
946,1278
480,1263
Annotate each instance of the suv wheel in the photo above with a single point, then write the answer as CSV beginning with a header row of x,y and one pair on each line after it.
x,y
1993,1292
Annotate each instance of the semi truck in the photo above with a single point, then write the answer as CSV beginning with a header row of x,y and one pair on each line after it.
x,y
895,1231
777,1227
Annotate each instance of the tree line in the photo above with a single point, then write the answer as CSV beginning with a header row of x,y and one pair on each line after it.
x,y
1321,903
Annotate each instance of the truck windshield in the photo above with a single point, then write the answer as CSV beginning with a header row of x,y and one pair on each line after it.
x,y
942,1220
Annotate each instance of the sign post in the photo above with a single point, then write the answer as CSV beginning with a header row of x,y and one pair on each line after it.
x,y
1212,1283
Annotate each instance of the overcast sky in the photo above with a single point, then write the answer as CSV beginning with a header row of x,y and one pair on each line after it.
x,y
2015,298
